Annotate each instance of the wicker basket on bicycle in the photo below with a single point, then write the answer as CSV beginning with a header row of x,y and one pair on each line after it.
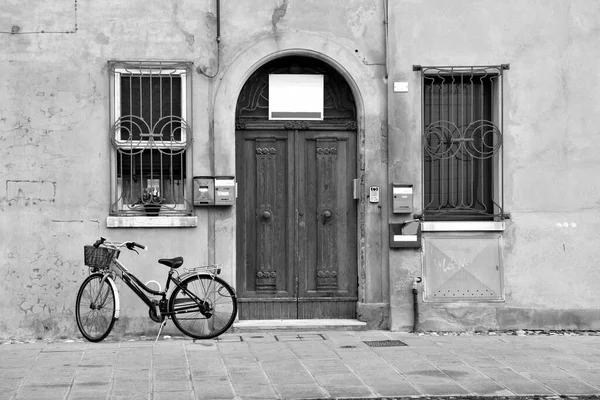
x,y
99,258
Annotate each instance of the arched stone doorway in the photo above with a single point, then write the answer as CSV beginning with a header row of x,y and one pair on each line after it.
x,y
296,233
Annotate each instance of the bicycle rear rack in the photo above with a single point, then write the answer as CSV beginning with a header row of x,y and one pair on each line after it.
x,y
211,269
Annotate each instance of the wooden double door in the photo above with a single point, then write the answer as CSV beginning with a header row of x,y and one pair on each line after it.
x,y
296,224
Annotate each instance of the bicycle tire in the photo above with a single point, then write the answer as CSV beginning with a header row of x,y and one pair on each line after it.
x,y
219,300
95,321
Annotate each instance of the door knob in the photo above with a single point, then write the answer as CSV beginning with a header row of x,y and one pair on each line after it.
x,y
266,215
327,214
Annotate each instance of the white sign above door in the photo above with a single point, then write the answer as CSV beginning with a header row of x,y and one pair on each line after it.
x,y
296,97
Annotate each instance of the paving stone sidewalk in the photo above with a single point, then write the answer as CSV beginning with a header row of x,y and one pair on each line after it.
x,y
305,365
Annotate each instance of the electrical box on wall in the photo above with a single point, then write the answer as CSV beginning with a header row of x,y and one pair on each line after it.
x,y
402,200
214,190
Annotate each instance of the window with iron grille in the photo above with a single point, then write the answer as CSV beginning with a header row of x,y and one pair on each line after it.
x,y
462,142
151,137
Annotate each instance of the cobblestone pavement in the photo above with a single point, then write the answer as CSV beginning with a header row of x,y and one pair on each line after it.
x,y
308,365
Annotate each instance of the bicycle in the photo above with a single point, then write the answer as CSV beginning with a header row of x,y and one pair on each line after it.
x,y
202,305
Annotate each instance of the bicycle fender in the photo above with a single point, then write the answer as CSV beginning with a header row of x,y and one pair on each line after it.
x,y
187,275
116,292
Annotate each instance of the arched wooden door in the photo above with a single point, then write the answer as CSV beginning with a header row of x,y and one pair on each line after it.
x,y
296,216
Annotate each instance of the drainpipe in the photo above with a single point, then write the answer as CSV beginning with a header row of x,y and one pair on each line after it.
x,y
218,21
385,36
416,281
218,40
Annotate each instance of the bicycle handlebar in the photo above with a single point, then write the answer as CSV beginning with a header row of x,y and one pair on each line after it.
x,y
134,244
130,245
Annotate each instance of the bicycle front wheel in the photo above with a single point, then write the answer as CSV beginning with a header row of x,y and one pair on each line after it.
x,y
203,306
95,308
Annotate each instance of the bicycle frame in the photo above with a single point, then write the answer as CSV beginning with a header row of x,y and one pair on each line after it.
x,y
140,289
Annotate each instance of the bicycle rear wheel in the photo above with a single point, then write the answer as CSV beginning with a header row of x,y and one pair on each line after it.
x,y
203,306
95,308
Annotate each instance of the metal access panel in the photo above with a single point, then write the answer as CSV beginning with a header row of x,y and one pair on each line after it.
x,y
463,267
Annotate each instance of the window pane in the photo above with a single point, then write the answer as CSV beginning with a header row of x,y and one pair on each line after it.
x,y
155,105
151,176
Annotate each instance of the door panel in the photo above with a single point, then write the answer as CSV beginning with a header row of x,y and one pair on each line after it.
x,y
265,216
296,224
327,235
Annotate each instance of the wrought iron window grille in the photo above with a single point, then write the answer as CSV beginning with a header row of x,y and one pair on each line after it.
x,y
151,138
462,141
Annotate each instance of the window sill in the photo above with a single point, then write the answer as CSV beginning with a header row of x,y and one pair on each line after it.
x,y
463,226
151,222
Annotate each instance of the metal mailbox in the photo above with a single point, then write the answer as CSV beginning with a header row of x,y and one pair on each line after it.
x,y
402,201
405,235
224,191
214,190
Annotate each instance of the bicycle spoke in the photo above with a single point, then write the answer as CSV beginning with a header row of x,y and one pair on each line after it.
x,y
104,296
88,294
90,321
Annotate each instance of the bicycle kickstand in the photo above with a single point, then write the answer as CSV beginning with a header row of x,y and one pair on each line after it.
x,y
162,325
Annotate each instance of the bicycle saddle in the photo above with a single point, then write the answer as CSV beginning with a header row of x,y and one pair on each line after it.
x,y
171,262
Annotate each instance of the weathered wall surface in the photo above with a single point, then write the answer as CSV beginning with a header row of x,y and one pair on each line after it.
x,y
54,140
54,145
551,119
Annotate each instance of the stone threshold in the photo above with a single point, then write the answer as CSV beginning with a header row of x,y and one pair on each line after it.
x,y
295,325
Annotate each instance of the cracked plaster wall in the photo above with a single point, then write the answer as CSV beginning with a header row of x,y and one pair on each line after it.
x,y
54,145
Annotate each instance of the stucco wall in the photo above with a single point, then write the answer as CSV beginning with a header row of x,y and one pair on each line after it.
x,y
54,144
551,105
